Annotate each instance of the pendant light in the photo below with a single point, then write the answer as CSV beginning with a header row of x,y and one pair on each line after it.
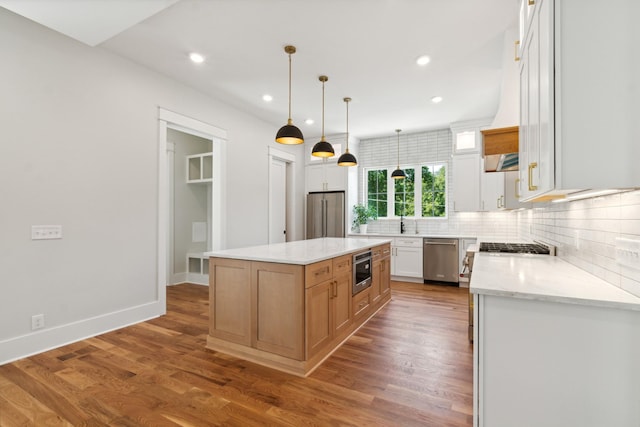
x,y
323,148
289,134
398,173
347,159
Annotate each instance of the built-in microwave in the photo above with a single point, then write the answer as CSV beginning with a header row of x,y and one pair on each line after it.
x,y
361,271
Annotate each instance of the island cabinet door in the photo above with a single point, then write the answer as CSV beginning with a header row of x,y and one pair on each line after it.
x,y
318,317
385,276
229,300
342,312
277,301
376,275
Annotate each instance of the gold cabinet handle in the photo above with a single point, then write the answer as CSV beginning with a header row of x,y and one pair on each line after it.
x,y
532,166
498,203
517,185
517,58
335,289
531,2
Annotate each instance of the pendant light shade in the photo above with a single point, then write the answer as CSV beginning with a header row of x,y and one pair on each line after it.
x,y
398,173
347,159
289,134
323,148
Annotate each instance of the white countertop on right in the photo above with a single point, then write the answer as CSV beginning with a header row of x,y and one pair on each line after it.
x,y
545,278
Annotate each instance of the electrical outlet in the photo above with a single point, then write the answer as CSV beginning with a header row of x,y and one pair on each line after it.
x,y
628,252
37,321
46,232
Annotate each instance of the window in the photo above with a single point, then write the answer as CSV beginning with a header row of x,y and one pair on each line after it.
x,y
404,194
377,191
434,194
422,194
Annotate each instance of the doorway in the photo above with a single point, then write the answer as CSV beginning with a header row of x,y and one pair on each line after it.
x,y
206,169
190,175
281,196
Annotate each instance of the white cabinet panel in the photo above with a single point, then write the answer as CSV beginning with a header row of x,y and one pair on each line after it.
x,y
406,257
540,363
466,182
326,177
575,133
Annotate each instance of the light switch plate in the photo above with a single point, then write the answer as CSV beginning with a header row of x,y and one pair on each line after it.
x,y
46,232
628,252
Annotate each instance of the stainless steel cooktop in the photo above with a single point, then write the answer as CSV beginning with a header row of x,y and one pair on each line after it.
x,y
515,248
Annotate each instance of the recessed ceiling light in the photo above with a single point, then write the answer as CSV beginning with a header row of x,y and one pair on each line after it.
x,y
423,60
267,98
436,99
309,121
196,57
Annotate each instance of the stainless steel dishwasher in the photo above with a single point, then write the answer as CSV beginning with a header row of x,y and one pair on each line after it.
x,y
440,260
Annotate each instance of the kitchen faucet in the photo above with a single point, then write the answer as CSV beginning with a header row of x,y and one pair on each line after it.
x,y
402,230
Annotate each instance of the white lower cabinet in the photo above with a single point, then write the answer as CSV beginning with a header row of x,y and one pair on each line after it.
x,y
553,364
406,257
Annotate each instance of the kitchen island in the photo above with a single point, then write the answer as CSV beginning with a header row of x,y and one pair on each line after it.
x,y
553,345
288,306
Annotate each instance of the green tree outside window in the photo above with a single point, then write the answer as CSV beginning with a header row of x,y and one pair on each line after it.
x,y
404,203
377,191
434,190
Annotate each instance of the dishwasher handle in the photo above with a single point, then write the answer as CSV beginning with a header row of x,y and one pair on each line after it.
x,y
441,243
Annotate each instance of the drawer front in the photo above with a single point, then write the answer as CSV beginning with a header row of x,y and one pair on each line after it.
x,y
361,303
381,251
342,264
408,242
318,272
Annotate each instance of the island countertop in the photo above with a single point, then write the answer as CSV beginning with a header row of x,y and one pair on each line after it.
x,y
301,252
546,278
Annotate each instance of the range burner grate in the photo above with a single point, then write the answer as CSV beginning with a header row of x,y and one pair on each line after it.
x,y
514,248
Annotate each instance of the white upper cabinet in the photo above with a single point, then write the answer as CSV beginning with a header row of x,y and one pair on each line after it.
x,y
578,97
499,191
327,177
466,182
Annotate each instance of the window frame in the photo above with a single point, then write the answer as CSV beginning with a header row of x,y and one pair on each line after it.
x,y
417,189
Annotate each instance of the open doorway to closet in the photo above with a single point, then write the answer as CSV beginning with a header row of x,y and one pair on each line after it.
x,y
190,175
191,197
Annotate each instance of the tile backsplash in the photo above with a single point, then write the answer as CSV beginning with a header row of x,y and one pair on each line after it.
x,y
585,233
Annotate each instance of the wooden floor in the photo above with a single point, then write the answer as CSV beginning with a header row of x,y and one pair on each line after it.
x,y
409,365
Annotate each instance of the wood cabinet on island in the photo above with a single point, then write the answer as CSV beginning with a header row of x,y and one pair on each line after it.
x,y
289,305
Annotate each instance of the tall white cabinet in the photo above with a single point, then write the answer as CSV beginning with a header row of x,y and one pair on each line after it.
x,y
578,97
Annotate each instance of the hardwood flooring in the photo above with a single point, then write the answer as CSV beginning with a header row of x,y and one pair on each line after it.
x,y
410,365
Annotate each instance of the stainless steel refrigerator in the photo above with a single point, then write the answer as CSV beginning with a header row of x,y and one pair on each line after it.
x,y
325,214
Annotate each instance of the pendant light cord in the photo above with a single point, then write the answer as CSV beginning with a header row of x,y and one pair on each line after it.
x,y
322,139
290,88
398,148
347,102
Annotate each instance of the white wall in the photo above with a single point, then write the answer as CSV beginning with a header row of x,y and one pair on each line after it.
x,y
79,148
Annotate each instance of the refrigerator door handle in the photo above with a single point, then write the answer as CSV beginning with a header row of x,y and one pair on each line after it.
x,y
324,217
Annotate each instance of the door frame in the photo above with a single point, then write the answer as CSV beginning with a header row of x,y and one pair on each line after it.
x,y
289,160
169,119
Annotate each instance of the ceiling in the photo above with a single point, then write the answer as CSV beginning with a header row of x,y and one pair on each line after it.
x,y
367,48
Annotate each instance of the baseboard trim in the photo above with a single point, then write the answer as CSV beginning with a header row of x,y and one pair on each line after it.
x,y
49,338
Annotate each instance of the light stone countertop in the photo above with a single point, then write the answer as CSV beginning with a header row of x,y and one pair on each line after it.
x,y
421,235
302,252
545,278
